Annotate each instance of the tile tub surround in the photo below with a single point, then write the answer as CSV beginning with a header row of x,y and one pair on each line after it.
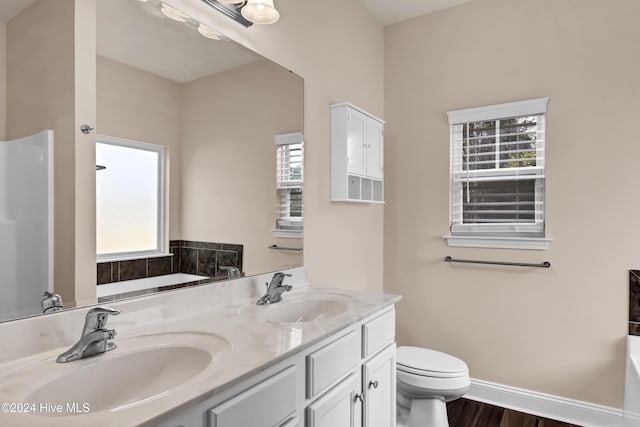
x,y
225,308
191,257
205,258
634,302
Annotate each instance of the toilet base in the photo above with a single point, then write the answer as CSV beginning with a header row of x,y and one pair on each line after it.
x,y
423,413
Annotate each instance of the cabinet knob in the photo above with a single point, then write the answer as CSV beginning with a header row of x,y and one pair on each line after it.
x,y
360,397
373,384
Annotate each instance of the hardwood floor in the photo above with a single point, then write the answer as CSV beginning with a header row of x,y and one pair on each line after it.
x,y
469,413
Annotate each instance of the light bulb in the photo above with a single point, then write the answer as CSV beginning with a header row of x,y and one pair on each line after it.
x,y
173,13
209,32
260,12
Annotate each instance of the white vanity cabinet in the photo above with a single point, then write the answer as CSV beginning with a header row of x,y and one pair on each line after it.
x,y
346,380
367,397
357,155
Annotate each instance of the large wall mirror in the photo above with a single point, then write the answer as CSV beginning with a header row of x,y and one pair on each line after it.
x,y
186,130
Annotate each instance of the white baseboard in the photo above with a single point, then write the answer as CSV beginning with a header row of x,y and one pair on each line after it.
x,y
545,405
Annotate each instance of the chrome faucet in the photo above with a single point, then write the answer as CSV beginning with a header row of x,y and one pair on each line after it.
x,y
232,272
51,303
95,338
275,289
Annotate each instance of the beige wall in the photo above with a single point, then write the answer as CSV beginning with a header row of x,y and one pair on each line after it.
x,y
562,330
134,104
343,242
229,157
41,94
85,150
3,80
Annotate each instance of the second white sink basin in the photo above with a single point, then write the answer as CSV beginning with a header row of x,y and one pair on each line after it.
x,y
141,369
304,310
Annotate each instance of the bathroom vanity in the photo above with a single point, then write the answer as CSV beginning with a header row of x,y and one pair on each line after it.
x,y
209,356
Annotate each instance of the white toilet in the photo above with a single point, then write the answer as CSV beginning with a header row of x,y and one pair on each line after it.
x,y
427,379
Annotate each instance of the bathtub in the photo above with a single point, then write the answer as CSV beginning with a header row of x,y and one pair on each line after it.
x,y
137,287
632,383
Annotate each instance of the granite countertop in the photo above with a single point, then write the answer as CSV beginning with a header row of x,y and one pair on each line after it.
x,y
241,337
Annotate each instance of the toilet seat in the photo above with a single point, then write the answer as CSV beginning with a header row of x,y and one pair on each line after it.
x,y
430,363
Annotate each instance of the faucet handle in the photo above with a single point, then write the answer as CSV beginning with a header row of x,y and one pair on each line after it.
x,y
97,318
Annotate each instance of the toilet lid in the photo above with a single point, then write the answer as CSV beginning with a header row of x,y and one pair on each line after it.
x,y
422,361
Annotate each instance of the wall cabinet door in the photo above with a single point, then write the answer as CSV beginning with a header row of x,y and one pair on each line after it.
x,y
379,386
339,407
356,125
374,149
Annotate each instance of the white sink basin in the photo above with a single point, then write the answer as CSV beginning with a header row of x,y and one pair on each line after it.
x,y
310,310
141,369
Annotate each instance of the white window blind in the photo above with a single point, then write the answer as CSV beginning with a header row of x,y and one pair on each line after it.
x,y
289,184
498,172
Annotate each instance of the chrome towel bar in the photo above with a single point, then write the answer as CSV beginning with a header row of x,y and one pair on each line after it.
x,y
284,248
545,264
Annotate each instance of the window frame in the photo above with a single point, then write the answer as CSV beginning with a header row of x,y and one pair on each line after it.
x,y
161,248
496,235
281,140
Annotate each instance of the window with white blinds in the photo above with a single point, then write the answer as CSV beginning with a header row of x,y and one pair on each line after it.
x,y
498,170
289,185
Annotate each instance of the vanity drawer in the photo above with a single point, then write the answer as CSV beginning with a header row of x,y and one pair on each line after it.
x,y
332,362
269,403
378,333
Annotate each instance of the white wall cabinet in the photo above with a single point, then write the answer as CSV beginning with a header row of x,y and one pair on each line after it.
x,y
357,155
346,380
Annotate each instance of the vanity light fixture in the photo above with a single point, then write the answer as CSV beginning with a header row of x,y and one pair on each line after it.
x,y
260,12
247,12
173,13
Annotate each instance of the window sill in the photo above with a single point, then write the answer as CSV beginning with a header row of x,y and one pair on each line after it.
x,y
536,243
132,257
288,234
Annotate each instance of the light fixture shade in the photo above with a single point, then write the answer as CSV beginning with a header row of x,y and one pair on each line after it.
x,y
260,12
173,13
209,32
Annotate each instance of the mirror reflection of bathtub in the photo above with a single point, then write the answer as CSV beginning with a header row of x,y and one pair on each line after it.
x,y
632,383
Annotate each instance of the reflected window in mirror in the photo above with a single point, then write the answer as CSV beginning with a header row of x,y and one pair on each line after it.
x,y
289,185
130,198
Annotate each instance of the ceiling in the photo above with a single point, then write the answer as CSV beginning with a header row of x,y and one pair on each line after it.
x,y
389,12
138,34
10,8
176,51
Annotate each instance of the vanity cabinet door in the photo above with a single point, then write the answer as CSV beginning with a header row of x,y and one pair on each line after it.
x,y
271,403
339,407
379,387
